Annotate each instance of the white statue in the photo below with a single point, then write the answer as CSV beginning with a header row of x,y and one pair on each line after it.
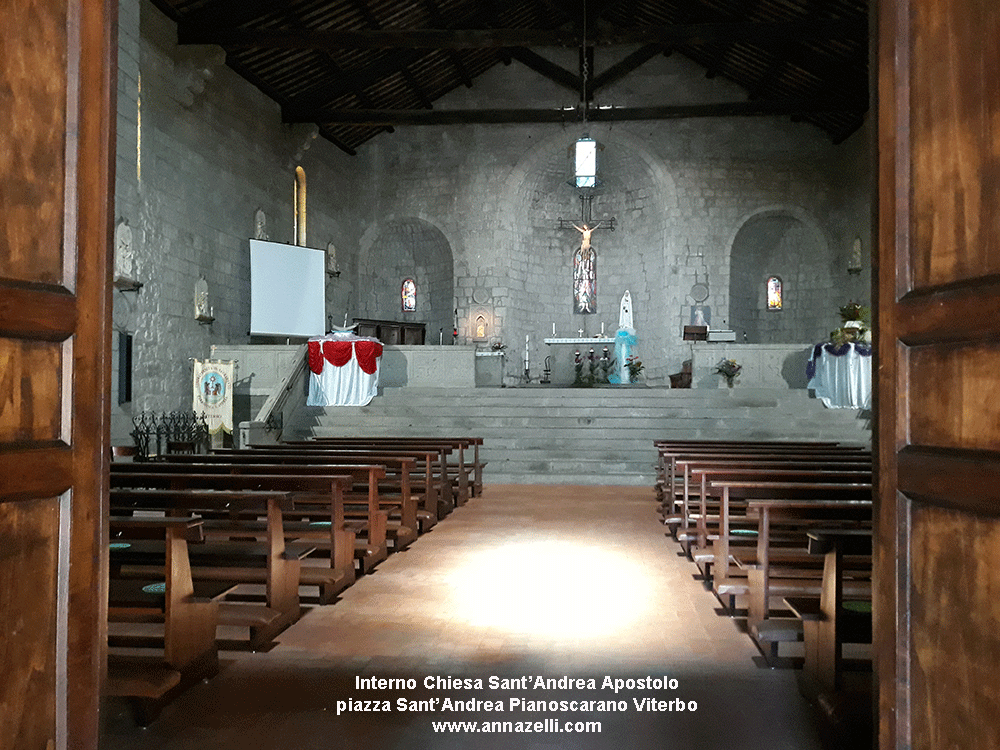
x,y
260,225
124,255
202,308
625,314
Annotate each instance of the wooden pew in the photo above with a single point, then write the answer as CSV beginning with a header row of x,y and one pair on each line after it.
x,y
703,476
461,470
665,448
402,507
371,547
692,494
419,509
232,561
773,575
473,469
668,455
189,618
327,490
829,621
725,582
440,490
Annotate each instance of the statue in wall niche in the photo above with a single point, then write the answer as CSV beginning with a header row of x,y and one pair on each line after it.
x,y
331,260
260,225
124,252
202,308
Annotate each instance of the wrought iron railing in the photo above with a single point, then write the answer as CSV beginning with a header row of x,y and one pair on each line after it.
x,y
174,432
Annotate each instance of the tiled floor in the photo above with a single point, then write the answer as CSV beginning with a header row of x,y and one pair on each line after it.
x,y
526,581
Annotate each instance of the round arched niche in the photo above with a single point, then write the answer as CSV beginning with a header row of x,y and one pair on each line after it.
x,y
779,243
631,257
408,248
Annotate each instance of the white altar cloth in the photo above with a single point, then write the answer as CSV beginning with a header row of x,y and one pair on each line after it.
x,y
842,376
344,370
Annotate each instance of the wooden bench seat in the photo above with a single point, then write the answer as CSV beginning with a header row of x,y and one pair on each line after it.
x,y
187,652
836,616
726,584
328,490
371,547
270,561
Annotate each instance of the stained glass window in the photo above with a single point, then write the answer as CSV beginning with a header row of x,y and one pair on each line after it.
x,y
585,281
774,293
409,295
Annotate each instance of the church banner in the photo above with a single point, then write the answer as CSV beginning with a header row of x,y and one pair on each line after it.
x,y
213,393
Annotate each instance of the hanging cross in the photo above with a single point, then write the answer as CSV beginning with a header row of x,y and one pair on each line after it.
x,y
584,258
586,218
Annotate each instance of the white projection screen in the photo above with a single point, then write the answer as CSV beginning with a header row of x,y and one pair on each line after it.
x,y
287,290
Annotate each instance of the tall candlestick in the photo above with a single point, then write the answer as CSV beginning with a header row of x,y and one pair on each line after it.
x,y
525,351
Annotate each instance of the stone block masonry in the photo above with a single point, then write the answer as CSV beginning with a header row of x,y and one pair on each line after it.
x,y
471,213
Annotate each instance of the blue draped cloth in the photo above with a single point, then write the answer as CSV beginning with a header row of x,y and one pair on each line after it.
x,y
624,346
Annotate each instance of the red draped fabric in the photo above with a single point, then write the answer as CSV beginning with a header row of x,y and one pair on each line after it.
x,y
315,357
367,352
337,352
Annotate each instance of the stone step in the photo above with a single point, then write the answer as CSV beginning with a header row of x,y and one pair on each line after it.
x,y
583,436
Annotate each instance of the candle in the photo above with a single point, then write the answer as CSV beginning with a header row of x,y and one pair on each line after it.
x,y
525,351
602,328
553,329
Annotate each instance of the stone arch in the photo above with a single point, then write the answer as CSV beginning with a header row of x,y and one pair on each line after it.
x,y
783,241
407,247
536,256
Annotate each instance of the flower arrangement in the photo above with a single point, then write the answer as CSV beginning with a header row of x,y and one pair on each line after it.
x,y
857,324
729,369
498,346
854,311
634,365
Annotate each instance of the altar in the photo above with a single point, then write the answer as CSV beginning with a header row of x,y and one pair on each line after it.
x,y
560,361
842,375
344,370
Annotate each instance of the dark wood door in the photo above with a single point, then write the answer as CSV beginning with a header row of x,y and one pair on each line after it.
x,y
938,551
57,62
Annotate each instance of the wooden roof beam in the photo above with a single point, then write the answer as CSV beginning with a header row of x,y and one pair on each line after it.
x,y
700,33
622,68
453,56
545,67
759,108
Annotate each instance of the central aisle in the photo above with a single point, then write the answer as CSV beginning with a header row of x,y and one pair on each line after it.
x,y
524,582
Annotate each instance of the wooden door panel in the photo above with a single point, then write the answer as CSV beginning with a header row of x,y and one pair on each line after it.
x,y
26,650
937,558
57,83
949,395
955,629
954,82
31,393
33,110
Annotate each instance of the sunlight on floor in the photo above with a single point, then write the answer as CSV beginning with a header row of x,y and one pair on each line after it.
x,y
550,588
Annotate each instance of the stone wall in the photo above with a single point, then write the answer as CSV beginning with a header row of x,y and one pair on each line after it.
x,y
199,151
472,212
684,193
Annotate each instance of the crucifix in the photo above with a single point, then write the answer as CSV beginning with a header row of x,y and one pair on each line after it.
x,y
585,257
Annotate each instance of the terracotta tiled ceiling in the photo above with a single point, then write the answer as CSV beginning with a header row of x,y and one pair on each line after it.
x,y
361,67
